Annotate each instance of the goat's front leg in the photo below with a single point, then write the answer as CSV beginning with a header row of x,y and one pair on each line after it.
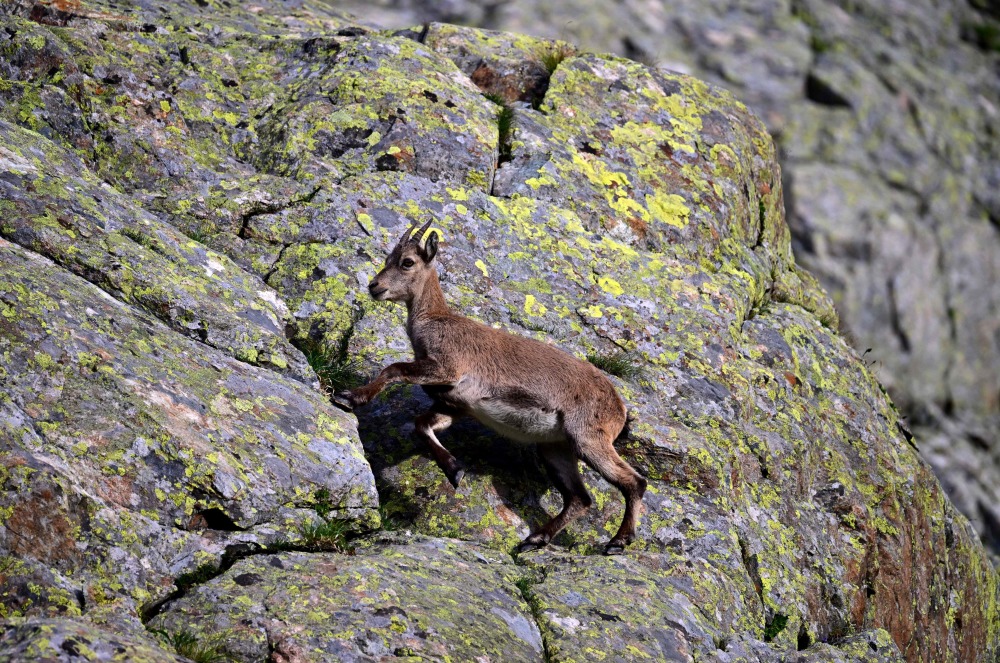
x,y
421,371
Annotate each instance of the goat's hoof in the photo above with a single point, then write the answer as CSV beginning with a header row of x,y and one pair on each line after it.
x,y
614,548
342,399
456,478
528,545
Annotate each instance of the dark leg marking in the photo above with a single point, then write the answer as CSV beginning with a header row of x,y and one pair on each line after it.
x,y
564,470
439,418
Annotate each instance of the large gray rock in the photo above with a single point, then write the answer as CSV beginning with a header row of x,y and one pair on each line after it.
x,y
622,207
134,455
433,599
885,115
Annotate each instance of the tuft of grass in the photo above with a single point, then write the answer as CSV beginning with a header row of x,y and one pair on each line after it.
x,y
334,368
187,644
141,239
200,233
524,586
322,503
553,56
325,536
621,364
775,626
505,126
332,363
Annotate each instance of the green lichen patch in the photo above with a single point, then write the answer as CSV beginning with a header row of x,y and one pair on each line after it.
x,y
356,126
656,156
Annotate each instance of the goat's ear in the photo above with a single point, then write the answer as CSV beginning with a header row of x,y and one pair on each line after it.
x,y
430,247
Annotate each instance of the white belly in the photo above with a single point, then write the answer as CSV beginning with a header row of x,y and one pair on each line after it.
x,y
519,423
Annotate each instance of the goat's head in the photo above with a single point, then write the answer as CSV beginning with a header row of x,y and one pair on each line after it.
x,y
408,266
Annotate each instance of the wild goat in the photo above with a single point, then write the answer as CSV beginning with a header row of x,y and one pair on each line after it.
x,y
521,388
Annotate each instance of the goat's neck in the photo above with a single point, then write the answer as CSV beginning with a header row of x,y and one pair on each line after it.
x,y
428,302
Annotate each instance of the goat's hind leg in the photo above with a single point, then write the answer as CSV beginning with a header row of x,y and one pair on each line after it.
x,y
437,419
564,470
597,450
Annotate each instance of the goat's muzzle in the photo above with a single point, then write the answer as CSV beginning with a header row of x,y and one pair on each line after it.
x,y
375,290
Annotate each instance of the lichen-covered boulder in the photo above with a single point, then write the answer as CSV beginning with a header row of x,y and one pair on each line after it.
x,y
615,208
133,455
430,599
71,641
885,118
646,608
53,205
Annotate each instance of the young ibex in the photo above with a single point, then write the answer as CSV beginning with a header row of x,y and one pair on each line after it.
x,y
521,388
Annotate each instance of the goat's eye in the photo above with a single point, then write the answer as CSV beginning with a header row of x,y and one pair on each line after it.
x,y
407,263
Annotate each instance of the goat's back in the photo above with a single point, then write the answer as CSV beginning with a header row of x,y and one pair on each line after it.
x,y
502,374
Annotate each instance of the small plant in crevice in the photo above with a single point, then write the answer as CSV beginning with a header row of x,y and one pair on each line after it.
x,y
322,504
623,364
392,519
187,644
505,127
554,55
141,239
525,585
325,536
200,233
334,367
775,626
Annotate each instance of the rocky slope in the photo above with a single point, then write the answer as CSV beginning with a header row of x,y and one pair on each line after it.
x,y
193,193
886,116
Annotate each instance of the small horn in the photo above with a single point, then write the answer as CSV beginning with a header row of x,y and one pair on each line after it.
x,y
407,236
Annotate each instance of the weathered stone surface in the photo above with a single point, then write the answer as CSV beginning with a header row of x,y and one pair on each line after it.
x,y
626,208
430,599
54,206
133,455
885,115
646,608
513,67
68,641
